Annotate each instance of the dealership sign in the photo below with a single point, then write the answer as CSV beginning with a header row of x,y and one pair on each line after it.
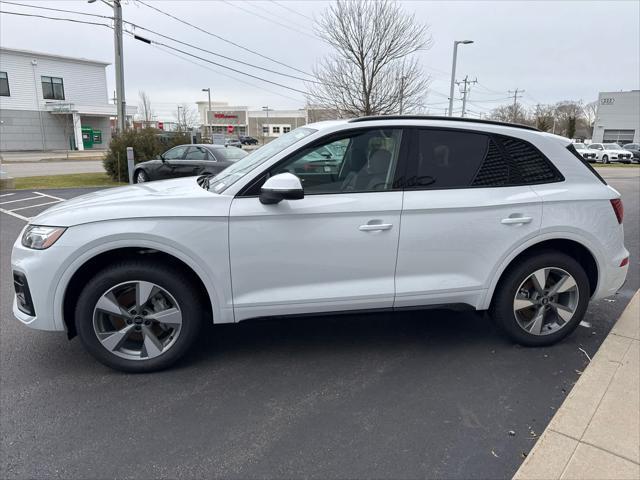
x,y
607,101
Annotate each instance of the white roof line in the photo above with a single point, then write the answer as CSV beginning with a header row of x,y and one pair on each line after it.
x,y
51,55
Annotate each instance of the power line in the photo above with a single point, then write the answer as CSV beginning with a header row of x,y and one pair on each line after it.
x,y
292,10
55,18
219,54
163,49
230,42
269,20
217,64
56,9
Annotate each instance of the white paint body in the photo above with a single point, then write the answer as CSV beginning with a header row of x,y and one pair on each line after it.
x,y
613,154
331,252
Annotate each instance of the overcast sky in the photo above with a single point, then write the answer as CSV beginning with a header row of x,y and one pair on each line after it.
x,y
553,50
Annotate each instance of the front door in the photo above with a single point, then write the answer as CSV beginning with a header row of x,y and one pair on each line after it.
x,y
336,248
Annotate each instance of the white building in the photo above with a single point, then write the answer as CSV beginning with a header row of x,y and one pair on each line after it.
x,y
265,124
618,118
50,102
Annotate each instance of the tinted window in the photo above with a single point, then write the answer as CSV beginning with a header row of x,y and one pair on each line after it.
x,y
453,159
446,159
230,154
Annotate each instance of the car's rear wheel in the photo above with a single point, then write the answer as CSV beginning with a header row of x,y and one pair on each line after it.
x,y
542,299
605,159
141,176
138,317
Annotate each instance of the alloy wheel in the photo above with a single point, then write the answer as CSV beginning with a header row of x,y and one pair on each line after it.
x,y
137,320
141,177
546,301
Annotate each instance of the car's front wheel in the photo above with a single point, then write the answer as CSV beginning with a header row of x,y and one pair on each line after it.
x,y
542,299
138,317
605,159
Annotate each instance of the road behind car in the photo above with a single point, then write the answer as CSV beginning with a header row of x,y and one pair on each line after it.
x,y
415,394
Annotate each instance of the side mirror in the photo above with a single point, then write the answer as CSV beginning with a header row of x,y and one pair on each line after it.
x,y
284,186
161,157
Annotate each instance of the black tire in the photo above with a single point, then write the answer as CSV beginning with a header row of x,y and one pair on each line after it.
x,y
605,159
502,307
173,280
140,176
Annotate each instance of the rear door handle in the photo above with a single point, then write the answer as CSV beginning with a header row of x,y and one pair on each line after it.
x,y
374,227
516,220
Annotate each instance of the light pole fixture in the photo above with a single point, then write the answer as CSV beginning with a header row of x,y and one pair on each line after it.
x,y
208,90
453,71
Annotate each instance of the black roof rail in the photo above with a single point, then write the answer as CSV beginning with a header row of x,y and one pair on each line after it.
x,y
435,117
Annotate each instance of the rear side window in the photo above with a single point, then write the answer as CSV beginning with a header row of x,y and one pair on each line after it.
x,y
456,159
572,149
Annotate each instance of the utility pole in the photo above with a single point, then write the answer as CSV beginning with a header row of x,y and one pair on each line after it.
x,y
206,117
465,90
402,80
515,103
121,105
266,109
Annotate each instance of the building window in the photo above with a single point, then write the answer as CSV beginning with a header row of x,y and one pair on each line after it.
x,y
52,88
265,129
276,129
286,129
4,84
618,136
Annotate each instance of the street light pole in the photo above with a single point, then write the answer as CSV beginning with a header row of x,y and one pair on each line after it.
x,y
208,90
453,71
266,109
121,106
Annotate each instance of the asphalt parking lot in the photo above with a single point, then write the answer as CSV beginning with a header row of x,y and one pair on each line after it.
x,y
406,395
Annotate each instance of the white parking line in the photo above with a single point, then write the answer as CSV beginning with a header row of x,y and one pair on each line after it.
x,y
9,212
39,196
6,194
21,200
34,206
50,196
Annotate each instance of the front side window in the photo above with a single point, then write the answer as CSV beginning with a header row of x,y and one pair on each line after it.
x,y
4,85
52,88
235,172
176,153
362,161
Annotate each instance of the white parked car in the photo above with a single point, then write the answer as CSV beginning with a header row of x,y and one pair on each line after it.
x,y
588,154
414,212
611,152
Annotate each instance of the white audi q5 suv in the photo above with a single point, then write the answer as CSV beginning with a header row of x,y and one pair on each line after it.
x,y
365,214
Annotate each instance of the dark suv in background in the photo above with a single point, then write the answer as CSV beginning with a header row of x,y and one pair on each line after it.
x,y
635,149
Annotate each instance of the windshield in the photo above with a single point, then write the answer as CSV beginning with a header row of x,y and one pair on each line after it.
x,y
579,146
612,146
235,172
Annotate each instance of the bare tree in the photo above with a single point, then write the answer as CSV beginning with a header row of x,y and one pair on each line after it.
x,y
511,113
544,117
186,116
373,70
567,113
146,111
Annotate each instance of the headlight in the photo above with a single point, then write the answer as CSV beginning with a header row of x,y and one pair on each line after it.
x,y
39,237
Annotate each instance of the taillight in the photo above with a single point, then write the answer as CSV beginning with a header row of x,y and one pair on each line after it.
x,y
618,209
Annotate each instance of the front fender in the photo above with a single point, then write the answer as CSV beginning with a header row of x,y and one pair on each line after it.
x,y
187,242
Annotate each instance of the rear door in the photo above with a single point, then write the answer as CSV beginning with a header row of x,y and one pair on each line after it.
x,y
465,208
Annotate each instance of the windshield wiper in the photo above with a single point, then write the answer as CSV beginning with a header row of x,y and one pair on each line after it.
x,y
204,180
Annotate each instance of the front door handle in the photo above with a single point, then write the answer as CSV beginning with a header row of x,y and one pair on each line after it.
x,y
374,227
516,220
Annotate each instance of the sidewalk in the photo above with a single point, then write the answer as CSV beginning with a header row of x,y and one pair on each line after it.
x,y
51,156
596,432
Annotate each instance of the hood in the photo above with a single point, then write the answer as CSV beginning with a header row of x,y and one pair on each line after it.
x,y
181,197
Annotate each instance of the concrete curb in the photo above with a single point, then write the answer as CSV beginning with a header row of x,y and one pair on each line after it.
x,y
596,432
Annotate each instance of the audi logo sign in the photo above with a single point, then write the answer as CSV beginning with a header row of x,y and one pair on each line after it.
x,y
607,101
